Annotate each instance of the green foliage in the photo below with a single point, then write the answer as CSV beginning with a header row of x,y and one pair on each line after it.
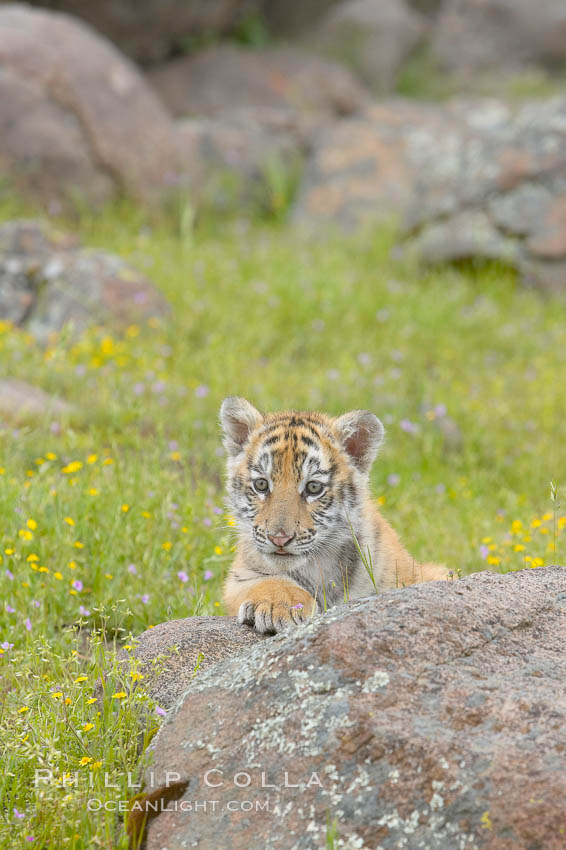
x,y
423,79
120,505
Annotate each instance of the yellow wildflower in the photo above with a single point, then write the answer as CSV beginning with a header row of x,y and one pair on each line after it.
x,y
88,726
69,520
119,695
31,524
73,466
85,760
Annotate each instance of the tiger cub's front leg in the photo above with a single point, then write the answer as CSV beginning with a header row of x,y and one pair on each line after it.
x,y
268,604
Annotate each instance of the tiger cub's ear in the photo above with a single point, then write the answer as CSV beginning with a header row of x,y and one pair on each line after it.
x,y
361,433
238,419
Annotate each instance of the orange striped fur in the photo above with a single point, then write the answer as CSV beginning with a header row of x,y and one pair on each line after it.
x,y
298,486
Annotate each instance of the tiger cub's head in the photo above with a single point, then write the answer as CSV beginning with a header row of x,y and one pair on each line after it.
x,y
296,481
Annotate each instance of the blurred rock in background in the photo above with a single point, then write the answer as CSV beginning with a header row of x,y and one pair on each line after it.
x,y
149,30
372,38
77,119
48,280
240,98
500,34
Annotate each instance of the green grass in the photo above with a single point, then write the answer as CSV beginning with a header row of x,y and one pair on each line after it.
x,y
422,78
122,505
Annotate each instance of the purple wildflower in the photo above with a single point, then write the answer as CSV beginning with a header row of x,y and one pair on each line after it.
x,y
6,645
202,391
160,711
9,609
145,598
408,426
208,575
27,624
394,479
83,611
484,551
77,584
182,576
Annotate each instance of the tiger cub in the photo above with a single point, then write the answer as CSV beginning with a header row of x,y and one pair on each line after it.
x,y
298,486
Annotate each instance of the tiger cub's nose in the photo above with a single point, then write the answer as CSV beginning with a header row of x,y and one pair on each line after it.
x,y
280,539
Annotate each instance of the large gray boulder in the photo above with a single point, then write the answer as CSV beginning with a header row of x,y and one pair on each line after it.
x,y
47,280
228,77
372,37
78,122
248,117
469,179
428,717
172,654
494,35
149,30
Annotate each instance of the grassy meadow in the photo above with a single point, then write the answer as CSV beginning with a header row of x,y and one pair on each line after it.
x,y
113,520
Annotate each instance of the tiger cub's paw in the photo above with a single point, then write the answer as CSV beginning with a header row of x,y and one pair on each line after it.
x,y
273,606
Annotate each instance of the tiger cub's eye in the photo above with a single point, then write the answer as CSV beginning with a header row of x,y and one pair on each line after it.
x,y
314,488
261,485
